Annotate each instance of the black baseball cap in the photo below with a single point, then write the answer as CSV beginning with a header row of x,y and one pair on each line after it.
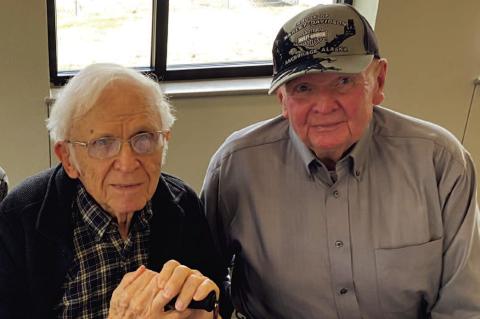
x,y
324,38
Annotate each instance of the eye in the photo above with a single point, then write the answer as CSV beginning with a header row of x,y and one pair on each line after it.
x,y
103,142
344,84
302,88
345,80
103,147
144,142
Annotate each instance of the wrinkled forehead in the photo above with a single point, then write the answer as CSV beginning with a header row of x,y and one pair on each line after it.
x,y
122,97
119,106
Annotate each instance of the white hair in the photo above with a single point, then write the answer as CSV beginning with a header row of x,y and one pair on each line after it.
x,y
83,90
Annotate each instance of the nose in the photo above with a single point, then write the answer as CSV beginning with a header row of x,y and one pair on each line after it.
x,y
126,160
324,102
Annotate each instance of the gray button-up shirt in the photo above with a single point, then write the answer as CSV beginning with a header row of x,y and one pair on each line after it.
x,y
392,233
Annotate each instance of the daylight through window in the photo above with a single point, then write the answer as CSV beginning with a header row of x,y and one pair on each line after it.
x,y
203,37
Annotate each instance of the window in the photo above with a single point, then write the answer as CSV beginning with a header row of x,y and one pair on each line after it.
x,y
176,40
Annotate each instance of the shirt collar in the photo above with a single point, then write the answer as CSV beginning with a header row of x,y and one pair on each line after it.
x,y
359,152
303,151
98,220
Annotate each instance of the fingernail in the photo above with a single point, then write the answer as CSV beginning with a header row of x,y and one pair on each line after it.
x,y
179,305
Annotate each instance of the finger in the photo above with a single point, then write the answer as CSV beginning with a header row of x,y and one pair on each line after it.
x,y
141,302
140,282
198,313
166,272
176,281
158,306
197,272
204,289
187,291
127,279
118,292
178,314
134,288
131,276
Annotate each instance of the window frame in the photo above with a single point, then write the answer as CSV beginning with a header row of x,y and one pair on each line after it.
x,y
159,54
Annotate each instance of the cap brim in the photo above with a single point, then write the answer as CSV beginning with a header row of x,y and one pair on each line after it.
x,y
338,64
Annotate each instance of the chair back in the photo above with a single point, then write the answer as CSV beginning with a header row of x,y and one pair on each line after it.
x,y
3,184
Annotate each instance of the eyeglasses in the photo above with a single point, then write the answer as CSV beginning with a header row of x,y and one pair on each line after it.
x,y
108,147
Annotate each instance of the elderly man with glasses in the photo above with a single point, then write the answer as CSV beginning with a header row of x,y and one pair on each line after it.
x,y
107,222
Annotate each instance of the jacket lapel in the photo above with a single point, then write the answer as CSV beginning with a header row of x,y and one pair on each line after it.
x,y
53,251
166,226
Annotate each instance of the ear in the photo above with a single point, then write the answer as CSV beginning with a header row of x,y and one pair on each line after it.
x,y
380,76
168,136
281,96
63,154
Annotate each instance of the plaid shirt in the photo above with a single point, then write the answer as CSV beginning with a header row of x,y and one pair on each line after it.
x,y
101,257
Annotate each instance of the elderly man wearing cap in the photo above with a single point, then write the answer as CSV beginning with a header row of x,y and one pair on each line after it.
x,y
340,208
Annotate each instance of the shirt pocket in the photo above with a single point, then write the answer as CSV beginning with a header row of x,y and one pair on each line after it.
x,y
408,275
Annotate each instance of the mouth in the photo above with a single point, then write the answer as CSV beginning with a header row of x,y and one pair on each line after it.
x,y
327,126
126,186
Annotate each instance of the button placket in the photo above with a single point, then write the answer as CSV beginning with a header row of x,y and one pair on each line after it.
x,y
338,222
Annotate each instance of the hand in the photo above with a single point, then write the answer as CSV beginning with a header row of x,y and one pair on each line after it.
x,y
144,293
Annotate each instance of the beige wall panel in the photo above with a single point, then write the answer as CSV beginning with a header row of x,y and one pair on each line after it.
x,y
23,87
204,123
433,48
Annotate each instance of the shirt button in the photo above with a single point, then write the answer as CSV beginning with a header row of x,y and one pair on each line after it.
x,y
339,244
336,194
343,291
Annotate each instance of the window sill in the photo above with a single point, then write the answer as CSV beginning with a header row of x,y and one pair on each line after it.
x,y
204,88
223,87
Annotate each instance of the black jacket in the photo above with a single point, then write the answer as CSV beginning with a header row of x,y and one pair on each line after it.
x,y
36,246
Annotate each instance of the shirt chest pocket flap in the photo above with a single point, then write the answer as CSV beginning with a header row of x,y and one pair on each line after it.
x,y
408,275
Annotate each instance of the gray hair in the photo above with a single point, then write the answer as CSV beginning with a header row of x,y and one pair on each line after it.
x,y
83,90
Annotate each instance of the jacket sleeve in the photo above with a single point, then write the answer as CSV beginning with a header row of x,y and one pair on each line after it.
x,y
459,295
202,252
13,289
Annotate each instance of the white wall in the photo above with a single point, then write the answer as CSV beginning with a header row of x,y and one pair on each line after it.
x,y
202,126
23,87
433,49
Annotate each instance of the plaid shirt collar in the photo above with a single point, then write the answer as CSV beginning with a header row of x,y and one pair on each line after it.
x,y
98,220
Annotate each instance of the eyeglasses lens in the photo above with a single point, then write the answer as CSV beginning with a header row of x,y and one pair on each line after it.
x,y
143,143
